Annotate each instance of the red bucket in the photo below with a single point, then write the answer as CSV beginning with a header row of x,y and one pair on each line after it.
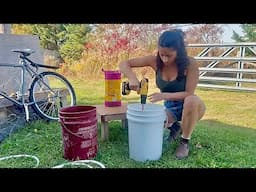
x,y
79,132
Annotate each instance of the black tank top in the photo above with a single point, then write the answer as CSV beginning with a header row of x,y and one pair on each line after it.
x,y
170,86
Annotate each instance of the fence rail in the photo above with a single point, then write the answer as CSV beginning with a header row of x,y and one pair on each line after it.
x,y
213,70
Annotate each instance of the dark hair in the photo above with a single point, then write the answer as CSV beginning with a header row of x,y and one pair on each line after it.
x,y
174,39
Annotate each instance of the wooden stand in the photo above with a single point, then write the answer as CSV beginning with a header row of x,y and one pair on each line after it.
x,y
106,114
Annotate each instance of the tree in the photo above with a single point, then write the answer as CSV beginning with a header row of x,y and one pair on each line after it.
x,y
205,33
249,31
72,41
66,39
112,43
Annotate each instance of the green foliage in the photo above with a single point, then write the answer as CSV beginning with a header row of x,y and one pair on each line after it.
x,y
74,38
49,35
249,31
67,39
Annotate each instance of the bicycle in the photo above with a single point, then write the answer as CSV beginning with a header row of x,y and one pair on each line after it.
x,y
48,92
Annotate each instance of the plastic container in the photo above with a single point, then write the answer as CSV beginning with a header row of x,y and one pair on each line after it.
x,y
112,88
145,131
79,132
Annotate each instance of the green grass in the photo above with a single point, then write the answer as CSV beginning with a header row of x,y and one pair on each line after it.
x,y
225,137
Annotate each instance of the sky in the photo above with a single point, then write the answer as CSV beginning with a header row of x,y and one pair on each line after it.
x,y
228,32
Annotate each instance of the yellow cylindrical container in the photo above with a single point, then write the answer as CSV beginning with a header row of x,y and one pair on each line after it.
x,y
112,88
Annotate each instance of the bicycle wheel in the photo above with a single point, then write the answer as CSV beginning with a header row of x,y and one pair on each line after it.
x,y
49,92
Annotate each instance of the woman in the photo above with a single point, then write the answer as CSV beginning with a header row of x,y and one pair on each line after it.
x,y
177,77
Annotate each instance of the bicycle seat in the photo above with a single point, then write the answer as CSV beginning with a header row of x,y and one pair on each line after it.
x,y
25,52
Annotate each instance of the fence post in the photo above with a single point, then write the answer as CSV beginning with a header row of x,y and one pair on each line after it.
x,y
240,65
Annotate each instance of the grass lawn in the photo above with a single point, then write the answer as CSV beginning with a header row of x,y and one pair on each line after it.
x,y
225,137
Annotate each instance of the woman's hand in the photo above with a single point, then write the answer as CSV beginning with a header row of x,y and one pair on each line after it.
x,y
134,84
155,97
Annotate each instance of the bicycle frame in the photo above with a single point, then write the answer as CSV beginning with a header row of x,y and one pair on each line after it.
x,y
21,93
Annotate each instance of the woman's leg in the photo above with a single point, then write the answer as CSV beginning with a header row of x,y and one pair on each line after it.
x,y
193,110
170,119
174,113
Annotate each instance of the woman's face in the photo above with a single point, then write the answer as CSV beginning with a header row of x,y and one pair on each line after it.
x,y
167,55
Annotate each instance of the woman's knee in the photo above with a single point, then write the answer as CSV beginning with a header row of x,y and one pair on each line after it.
x,y
201,110
191,102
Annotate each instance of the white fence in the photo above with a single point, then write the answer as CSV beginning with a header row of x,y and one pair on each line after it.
x,y
226,66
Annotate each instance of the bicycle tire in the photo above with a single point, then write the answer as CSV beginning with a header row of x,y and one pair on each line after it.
x,y
37,102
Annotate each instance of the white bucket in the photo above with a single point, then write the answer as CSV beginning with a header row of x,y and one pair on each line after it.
x,y
145,131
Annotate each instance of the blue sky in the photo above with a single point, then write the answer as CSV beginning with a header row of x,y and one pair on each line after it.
x,y
228,31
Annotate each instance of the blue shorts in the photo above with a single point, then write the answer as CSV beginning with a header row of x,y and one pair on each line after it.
x,y
175,108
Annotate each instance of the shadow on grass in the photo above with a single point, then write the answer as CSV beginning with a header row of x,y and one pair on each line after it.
x,y
213,145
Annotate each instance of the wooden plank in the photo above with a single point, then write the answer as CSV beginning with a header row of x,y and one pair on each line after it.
x,y
115,117
124,124
103,110
106,114
104,129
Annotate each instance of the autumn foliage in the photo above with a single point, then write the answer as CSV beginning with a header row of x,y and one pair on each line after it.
x,y
109,44
88,48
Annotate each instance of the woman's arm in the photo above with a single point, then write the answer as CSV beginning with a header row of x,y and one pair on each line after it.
x,y
126,68
191,83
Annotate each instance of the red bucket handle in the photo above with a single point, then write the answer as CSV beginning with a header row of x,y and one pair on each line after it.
x,y
77,122
63,125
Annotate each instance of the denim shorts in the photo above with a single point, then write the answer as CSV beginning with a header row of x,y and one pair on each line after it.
x,y
175,108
